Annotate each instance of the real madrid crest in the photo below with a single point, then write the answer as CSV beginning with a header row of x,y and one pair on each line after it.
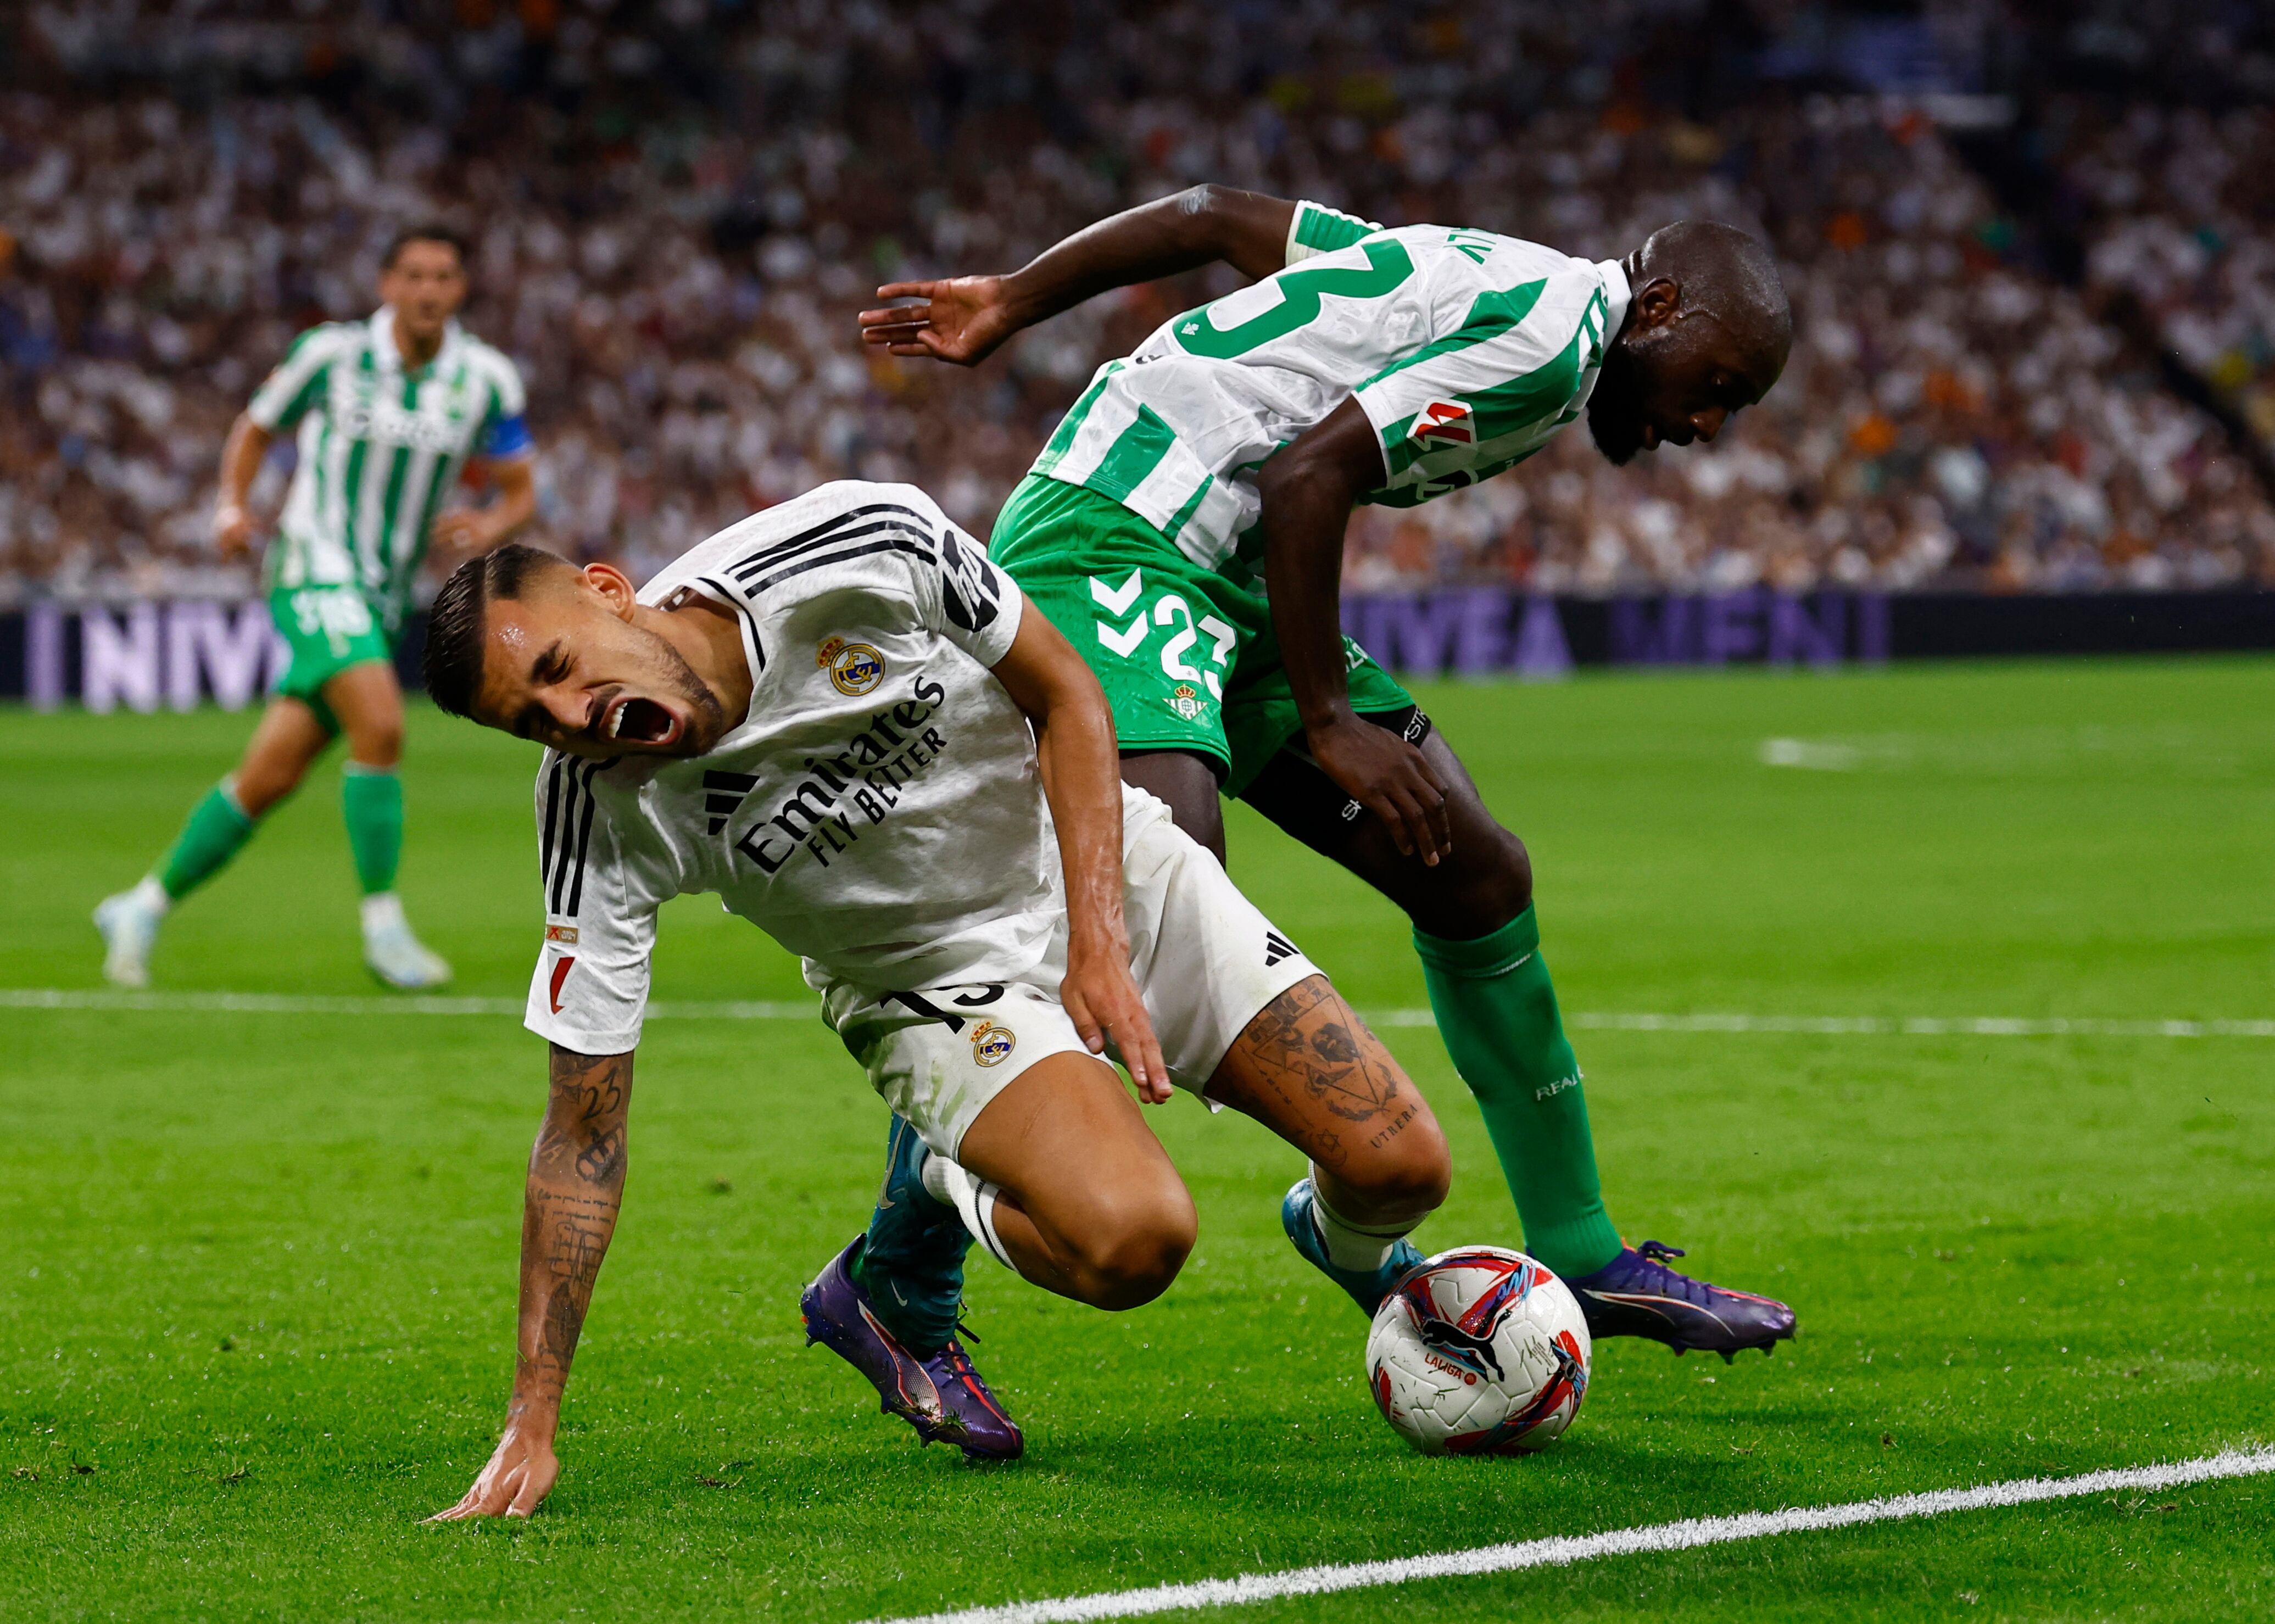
x,y
992,1045
854,667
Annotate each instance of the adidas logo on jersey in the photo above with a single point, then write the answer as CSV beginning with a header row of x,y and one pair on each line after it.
x,y
1276,947
726,792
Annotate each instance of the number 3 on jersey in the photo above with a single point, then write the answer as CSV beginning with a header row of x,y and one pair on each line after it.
x,y
1300,292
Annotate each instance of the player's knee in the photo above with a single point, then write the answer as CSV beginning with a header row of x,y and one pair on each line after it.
x,y
1489,882
1129,1259
1407,1176
376,740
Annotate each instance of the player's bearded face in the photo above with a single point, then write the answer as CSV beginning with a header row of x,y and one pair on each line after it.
x,y
1671,385
564,670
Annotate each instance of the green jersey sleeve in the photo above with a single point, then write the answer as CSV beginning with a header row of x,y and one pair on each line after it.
x,y
297,384
1318,230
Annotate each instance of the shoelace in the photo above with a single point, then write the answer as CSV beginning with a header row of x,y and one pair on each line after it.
x,y
1653,1256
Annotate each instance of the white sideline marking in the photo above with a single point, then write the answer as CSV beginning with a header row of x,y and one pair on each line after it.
x,y
696,1010
289,1003
1566,1549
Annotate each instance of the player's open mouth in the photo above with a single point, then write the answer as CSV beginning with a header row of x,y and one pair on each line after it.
x,y
641,721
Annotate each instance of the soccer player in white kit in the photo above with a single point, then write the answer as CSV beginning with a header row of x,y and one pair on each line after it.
x,y
841,719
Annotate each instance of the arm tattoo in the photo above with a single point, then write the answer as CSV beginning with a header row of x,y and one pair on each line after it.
x,y
574,1189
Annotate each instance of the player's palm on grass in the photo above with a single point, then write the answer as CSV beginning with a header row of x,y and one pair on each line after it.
x,y
521,1472
961,319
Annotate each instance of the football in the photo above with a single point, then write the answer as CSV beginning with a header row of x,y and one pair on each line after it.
x,y
1479,1351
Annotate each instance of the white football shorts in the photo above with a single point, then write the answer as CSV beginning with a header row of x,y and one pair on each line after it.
x,y
1205,961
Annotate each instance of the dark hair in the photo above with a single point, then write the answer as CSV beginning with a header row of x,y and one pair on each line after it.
x,y
425,231
451,667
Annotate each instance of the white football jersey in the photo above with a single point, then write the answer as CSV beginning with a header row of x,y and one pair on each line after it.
x,y
879,812
1468,352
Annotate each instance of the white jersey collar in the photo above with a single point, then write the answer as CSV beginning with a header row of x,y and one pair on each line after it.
x,y
667,584
1618,294
387,355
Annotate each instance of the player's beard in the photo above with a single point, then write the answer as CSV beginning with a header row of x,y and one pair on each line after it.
x,y
1615,412
709,723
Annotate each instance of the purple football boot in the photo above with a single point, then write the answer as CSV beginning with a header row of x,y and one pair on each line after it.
x,y
1637,1295
941,1397
988,1433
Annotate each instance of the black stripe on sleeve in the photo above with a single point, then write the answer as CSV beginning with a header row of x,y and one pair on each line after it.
x,y
805,564
565,852
824,535
584,839
552,808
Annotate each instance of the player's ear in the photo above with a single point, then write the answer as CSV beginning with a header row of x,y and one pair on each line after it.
x,y
615,587
1658,302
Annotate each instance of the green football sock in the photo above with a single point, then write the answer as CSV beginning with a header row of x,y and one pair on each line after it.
x,y
1497,1013
371,799
217,830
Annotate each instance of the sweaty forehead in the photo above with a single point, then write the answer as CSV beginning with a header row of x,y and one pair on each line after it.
x,y
516,632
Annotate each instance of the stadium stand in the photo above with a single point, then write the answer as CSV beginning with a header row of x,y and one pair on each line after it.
x,y
677,207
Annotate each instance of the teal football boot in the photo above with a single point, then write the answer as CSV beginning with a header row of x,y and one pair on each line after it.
x,y
1367,1288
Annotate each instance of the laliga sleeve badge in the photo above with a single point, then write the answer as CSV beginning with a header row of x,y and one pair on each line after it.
x,y
1444,423
854,667
992,1045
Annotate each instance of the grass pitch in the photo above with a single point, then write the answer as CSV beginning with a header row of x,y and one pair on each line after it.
x,y
257,1291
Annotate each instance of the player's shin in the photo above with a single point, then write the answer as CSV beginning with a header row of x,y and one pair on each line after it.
x,y
217,830
1496,1011
371,802
1360,1247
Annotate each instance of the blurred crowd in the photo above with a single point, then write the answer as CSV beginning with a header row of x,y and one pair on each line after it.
x,y
2182,218
677,208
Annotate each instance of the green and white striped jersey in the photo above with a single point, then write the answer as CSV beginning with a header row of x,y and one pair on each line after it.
x,y
379,448
1466,351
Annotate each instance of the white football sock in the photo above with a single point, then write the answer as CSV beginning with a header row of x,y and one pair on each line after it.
x,y
974,1200
1364,1247
150,894
381,911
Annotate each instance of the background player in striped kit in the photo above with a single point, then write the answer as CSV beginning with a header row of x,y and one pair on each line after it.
x,y
1376,367
390,412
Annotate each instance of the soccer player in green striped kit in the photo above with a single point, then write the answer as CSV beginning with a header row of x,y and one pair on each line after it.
x,y
388,412
1361,365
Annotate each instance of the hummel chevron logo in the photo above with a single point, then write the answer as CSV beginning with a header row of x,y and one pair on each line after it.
x,y
1276,947
728,790
1117,599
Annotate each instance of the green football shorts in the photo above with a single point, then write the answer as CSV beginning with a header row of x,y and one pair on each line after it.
x,y
1188,659
327,629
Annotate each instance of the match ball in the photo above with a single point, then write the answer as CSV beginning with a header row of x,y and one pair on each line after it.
x,y
1479,1351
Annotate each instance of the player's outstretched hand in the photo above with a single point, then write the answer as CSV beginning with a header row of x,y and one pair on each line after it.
x,y
1391,779
1101,998
520,1474
961,319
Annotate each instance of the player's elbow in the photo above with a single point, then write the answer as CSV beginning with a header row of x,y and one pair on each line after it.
x,y
1200,208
